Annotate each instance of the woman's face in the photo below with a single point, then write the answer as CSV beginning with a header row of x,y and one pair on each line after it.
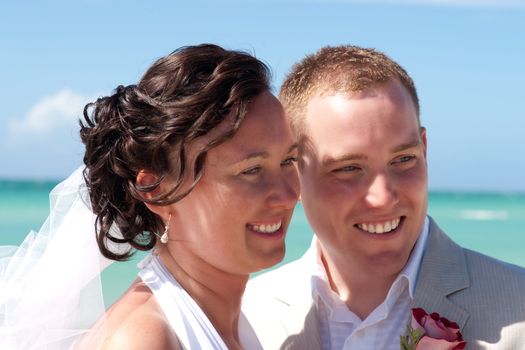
x,y
236,216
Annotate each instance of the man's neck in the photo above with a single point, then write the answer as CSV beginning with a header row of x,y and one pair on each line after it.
x,y
361,291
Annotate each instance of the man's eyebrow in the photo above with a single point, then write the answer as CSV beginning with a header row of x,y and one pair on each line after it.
x,y
359,156
293,147
327,161
406,146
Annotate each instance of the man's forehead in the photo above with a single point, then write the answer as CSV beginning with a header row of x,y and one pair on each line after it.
x,y
358,90
352,89
346,101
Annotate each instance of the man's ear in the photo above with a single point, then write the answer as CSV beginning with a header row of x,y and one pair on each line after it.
x,y
423,133
147,178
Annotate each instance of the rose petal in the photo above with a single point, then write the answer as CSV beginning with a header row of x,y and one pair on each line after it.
x,y
448,323
418,315
438,332
427,343
436,329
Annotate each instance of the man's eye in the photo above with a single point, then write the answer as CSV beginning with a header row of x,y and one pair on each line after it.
x,y
252,171
345,169
289,161
405,159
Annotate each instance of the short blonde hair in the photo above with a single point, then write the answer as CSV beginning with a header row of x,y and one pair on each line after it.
x,y
338,69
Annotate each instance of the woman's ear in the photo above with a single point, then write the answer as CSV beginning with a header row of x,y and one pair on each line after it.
x,y
147,178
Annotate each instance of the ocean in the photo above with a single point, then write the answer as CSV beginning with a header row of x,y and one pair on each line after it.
x,y
491,223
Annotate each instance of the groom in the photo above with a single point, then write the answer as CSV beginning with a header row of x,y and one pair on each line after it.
x,y
376,253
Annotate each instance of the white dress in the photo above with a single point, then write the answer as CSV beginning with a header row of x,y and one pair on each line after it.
x,y
193,328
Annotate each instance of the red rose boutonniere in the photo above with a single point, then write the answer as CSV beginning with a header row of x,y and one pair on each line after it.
x,y
431,332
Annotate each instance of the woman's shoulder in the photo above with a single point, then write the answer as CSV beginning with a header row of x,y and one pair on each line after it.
x,y
136,321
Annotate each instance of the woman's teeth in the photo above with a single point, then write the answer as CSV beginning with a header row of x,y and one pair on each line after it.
x,y
265,228
380,227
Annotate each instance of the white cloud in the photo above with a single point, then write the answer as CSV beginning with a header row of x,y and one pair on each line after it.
x,y
51,113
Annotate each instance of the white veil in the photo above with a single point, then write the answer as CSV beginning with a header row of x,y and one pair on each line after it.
x,y
50,288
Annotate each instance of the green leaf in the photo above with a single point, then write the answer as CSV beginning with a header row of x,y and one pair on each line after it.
x,y
409,341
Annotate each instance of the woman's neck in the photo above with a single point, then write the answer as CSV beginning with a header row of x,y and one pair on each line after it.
x,y
217,292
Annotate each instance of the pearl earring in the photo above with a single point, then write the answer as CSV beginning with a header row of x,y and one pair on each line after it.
x,y
164,237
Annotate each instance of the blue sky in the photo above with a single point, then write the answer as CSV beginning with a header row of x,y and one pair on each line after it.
x,y
467,59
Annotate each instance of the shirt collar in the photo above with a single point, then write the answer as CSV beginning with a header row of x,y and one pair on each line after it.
x,y
411,269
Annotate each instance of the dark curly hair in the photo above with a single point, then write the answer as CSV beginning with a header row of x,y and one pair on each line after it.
x,y
181,97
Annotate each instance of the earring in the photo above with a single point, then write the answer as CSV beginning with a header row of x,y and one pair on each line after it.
x,y
164,237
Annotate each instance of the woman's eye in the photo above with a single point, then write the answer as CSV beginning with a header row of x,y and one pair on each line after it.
x,y
289,161
252,171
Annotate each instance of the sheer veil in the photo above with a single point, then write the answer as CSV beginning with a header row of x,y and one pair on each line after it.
x,y
50,287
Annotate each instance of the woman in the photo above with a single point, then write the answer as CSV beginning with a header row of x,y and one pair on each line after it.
x,y
196,163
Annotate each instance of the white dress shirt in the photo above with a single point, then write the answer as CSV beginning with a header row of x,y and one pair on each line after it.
x,y
340,328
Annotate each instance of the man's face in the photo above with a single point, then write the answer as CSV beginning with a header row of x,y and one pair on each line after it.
x,y
363,176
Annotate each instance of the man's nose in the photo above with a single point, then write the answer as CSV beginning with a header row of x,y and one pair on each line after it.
x,y
381,193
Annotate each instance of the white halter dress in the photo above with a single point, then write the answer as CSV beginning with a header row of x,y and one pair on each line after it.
x,y
191,325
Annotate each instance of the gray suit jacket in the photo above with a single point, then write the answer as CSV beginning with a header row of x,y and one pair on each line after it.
x,y
486,297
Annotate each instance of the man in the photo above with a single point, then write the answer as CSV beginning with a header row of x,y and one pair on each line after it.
x,y
375,254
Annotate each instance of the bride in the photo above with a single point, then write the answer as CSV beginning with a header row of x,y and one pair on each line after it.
x,y
196,164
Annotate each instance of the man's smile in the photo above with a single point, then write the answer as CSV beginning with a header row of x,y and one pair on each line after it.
x,y
380,227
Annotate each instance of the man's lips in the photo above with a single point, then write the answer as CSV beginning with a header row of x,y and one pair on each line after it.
x,y
380,227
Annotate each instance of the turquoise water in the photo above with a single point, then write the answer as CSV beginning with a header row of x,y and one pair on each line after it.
x,y
490,223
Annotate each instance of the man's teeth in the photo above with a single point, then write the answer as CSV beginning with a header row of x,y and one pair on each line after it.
x,y
380,227
266,228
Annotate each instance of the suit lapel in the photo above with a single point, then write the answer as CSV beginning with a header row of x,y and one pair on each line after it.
x,y
443,271
302,326
300,320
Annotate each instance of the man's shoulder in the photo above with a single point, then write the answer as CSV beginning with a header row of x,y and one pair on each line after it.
x,y
277,289
279,282
294,269
494,301
486,266
488,270
278,305
471,275
482,294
